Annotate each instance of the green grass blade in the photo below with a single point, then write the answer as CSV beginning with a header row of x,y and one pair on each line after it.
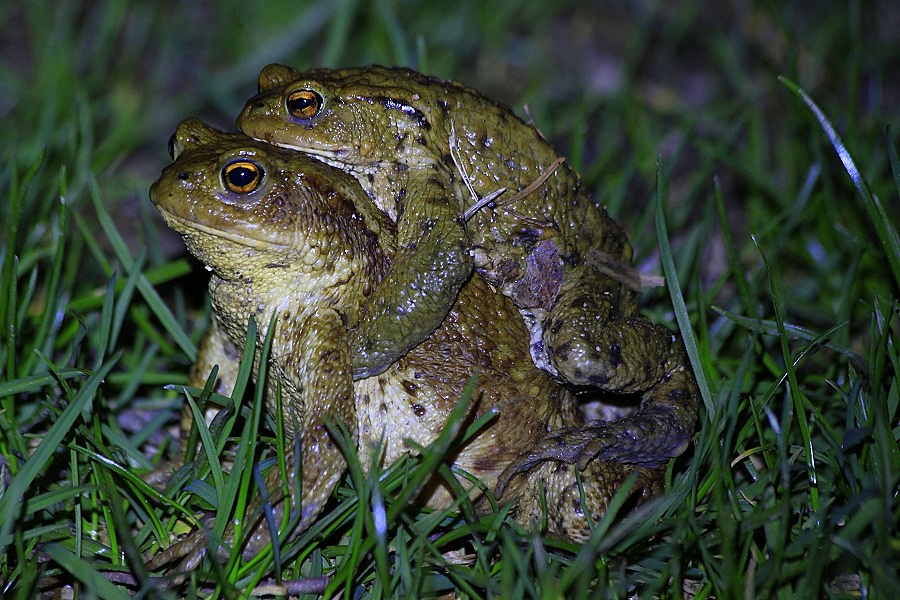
x,y
18,488
162,312
42,337
895,161
33,383
796,395
887,232
672,284
85,572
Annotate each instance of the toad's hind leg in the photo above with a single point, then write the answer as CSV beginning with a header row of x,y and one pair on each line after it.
x,y
590,344
593,339
572,505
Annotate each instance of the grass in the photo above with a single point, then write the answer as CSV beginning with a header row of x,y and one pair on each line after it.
x,y
770,206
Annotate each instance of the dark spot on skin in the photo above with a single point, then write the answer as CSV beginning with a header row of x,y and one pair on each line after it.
x,y
421,141
488,461
414,114
426,225
370,177
411,388
583,301
447,159
554,328
599,380
286,315
445,107
418,410
184,176
615,355
526,237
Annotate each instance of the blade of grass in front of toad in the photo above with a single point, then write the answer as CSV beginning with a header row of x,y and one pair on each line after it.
x,y
84,571
704,370
240,489
230,494
681,313
391,493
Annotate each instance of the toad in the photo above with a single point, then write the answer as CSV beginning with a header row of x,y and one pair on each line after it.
x,y
433,154
295,243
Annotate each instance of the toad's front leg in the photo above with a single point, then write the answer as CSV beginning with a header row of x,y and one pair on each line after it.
x,y
430,266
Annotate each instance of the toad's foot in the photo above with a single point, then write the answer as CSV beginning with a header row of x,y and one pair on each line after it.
x,y
660,430
570,502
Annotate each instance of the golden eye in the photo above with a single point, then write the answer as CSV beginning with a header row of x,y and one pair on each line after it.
x,y
304,104
242,176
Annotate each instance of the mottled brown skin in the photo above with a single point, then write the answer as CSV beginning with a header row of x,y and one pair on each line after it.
x,y
553,251
289,238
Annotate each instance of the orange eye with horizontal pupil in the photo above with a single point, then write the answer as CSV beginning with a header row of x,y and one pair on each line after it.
x,y
242,177
304,104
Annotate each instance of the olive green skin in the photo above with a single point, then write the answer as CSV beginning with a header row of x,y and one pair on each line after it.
x,y
302,248
417,145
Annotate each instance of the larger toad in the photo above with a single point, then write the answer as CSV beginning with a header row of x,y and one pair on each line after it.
x,y
293,242
426,151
